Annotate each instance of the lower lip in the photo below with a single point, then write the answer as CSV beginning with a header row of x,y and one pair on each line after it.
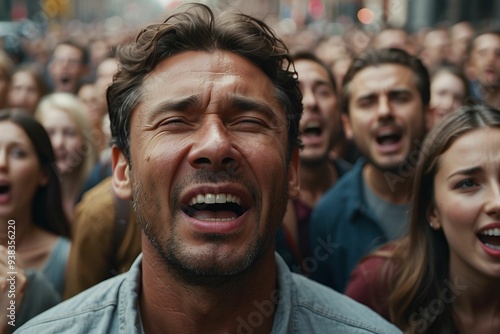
x,y
390,148
4,198
310,141
208,227
490,251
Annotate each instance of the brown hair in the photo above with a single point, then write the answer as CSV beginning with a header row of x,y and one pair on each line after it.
x,y
422,258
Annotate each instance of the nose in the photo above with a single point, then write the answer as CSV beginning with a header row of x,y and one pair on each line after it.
x,y
213,149
383,107
492,206
448,102
308,100
57,140
3,159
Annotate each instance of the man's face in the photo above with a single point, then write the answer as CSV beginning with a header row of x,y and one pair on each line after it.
x,y
485,60
386,117
67,68
208,171
320,122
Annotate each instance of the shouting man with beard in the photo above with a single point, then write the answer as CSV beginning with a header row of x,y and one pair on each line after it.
x,y
205,118
320,130
384,102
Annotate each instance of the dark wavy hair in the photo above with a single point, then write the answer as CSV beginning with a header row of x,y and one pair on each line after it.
x,y
47,210
197,29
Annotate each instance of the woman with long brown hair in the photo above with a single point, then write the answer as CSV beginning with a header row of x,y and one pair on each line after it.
x,y
444,276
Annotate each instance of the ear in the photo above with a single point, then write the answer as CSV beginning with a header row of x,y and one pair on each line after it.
x,y
346,123
121,174
433,217
293,175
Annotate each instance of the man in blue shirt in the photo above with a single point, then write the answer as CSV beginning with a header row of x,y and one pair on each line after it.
x,y
204,115
384,100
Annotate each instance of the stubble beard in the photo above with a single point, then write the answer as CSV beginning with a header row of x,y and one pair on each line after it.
x,y
205,269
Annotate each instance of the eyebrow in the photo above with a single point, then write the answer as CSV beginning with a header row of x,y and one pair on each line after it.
x,y
391,92
466,171
235,101
179,104
246,104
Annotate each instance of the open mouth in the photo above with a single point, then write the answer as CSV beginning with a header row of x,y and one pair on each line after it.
x,y
490,238
214,207
65,80
311,129
388,137
4,189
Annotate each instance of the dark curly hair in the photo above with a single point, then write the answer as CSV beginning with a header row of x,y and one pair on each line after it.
x,y
197,29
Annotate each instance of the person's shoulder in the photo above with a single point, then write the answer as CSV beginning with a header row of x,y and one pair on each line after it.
x,y
100,191
345,187
86,312
327,307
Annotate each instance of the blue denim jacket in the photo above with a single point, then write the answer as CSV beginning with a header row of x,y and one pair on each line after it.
x,y
304,306
343,221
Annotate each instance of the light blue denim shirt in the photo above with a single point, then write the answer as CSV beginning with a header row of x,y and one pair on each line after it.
x,y
304,306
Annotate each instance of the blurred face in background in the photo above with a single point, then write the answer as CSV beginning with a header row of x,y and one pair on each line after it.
x,y
20,171
67,68
94,103
320,121
447,94
24,92
66,139
484,62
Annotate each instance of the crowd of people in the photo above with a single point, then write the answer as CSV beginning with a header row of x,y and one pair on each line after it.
x,y
210,174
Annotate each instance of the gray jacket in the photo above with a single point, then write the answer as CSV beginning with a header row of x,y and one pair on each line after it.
x,y
304,306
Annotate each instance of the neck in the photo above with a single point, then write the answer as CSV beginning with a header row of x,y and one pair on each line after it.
x,y
20,223
167,303
476,304
475,293
387,185
315,181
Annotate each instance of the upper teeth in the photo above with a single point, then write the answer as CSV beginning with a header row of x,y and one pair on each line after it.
x,y
492,232
312,124
215,198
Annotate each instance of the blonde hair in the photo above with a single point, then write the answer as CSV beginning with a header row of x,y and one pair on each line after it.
x,y
75,109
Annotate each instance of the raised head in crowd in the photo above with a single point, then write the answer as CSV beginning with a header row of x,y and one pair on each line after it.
x,y
384,103
449,91
460,35
483,67
320,132
27,88
443,277
205,117
68,67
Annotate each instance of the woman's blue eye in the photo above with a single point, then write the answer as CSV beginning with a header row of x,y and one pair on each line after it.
x,y
467,183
